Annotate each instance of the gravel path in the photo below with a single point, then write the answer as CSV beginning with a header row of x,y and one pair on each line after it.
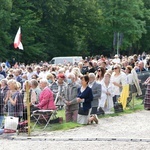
x,y
127,132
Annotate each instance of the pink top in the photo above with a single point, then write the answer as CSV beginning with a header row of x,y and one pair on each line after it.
x,y
46,100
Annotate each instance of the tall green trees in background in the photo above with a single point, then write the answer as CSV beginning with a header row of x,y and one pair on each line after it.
x,y
73,27
126,17
5,23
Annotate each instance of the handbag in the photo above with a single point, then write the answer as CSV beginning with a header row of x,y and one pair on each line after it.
x,y
11,123
132,88
81,111
118,107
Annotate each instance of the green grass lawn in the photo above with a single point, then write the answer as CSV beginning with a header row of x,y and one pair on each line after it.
x,y
138,106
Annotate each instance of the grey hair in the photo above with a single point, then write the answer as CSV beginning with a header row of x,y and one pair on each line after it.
x,y
5,81
44,81
71,75
92,75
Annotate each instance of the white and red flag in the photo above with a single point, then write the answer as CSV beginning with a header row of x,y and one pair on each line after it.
x,y
17,41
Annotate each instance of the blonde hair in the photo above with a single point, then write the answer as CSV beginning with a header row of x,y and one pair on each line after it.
x,y
49,76
76,71
14,82
107,73
118,66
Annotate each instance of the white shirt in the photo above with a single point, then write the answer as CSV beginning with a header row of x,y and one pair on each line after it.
x,y
29,75
120,79
130,79
43,74
91,84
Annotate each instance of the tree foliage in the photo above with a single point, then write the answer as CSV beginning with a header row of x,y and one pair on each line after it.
x,y
5,20
72,27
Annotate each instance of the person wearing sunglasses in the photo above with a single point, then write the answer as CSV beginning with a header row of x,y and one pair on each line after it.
x,y
118,79
100,74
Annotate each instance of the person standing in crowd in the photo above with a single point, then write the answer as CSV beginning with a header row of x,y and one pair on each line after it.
x,y
52,84
91,68
32,97
70,99
80,65
133,81
118,79
13,62
44,72
95,64
1,107
4,89
14,100
140,67
37,70
106,101
147,94
148,63
2,72
50,79
131,62
77,74
104,65
84,98
96,90
36,89
116,59
132,87
85,69
61,85
17,75
128,70
30,73
100,74
35,76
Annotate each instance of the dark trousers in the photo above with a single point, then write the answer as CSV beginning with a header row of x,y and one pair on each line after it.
x,y
32,108
115,99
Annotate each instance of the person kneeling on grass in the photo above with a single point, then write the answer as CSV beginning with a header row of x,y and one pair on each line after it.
x,y
70,99
84,98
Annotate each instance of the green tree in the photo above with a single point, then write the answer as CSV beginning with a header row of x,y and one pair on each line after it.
x,y
24,15
125,17
69,26
5,10
80,27
144,44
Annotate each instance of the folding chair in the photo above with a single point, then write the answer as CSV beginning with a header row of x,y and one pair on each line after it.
x,y
45,115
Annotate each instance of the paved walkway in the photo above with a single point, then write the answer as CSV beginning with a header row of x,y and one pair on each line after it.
x,y
130,131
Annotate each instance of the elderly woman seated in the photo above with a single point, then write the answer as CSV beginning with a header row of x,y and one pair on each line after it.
x,y
46,100
44,111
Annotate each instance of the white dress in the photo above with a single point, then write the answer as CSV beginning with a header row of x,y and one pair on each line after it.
x,y
120,79
106,101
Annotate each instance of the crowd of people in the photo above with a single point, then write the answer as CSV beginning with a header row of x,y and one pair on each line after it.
x,y
84,89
